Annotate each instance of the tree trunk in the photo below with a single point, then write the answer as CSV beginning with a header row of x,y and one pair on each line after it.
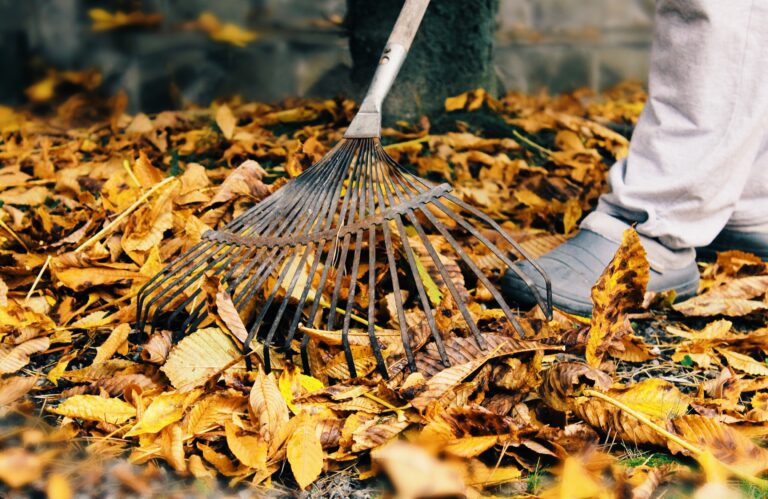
x,y
452,52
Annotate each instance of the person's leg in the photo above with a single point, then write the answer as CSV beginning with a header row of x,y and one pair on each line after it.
x,y
691,153
747,229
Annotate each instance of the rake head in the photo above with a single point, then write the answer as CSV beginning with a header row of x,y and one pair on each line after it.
x,y
324,248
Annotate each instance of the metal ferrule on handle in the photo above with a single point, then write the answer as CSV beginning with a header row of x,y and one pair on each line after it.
x,y
367,121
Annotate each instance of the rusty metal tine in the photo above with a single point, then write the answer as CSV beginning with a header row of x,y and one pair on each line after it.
x,y
325,208
189,269
393,272
254,329
545,307
442,270
182,307
350,305
447,278
334,201
353,194
415,273
476,270
355,267
247,291
171,293
159,278
264,222
372,203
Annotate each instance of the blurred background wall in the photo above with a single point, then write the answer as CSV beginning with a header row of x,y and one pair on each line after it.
x,y
298,47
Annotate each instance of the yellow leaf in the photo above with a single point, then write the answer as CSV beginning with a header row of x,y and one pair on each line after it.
x,y
470,446
576,482
416,473
165,409
267,405
19,467
226,121
15,387
744,363
620,288
655,397
112,344
199,356
95,408
305,453
58,487
248,449
225,32
13,358
213,411
228,313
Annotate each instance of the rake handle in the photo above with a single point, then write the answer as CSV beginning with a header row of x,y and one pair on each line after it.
x,y
367,122
407,24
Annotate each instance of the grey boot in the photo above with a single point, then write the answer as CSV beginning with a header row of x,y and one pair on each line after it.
x,y
575,266
729,239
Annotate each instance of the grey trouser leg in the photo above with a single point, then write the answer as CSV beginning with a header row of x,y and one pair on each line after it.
x,y
698,159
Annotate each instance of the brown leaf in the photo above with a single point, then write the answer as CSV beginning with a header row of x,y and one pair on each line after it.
x,y
267,406
226,121
415,473
620,288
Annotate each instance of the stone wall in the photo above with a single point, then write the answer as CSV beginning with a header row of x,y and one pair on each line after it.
x,y
554,44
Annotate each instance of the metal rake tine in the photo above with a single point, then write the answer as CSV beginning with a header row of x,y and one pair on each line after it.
x,y
353,193
257,323
353,277
545,307
448,281
156,281
171,293
323,219
476,270
199,313
371,197
263,312
395,280
324,276
188,270
440,267
417,281
319,250
466,258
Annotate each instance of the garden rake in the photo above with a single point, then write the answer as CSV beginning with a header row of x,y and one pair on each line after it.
x,y
354,208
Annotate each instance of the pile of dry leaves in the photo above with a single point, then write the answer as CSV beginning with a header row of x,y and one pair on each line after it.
x,y
643,395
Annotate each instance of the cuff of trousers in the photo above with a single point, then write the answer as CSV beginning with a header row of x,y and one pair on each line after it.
x,y
660,257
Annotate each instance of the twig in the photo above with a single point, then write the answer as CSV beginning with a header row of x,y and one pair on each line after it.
x,y
13,235
531,143
37,279
401,145
124,214
696,451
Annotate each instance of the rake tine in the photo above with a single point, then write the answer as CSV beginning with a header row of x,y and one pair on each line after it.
x,y
479,273
263,312
546,307
257,323
353,193
315,263
470,263
350,305
448,281
419,285
441,269
156,281
371,197
324,222
190,270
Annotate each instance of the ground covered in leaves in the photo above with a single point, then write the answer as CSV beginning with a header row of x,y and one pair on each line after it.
x,y
648,397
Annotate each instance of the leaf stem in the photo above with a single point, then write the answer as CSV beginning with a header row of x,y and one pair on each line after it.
x,y
124,214
696,451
